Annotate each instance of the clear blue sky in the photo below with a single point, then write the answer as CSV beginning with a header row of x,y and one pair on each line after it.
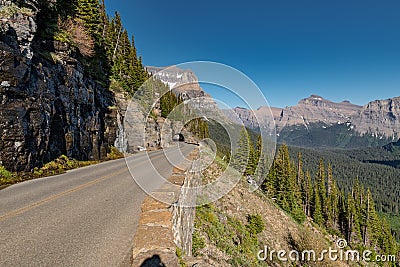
x,y
290,48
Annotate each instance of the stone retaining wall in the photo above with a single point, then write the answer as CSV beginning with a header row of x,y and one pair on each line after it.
x,y
165,226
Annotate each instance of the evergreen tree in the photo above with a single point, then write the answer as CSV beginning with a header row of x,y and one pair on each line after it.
x,y
317,207
287,189
269,185
387,242
258,150
354,214
320,184
252,163
302,181
309,193
89,12
242,154
372,230
332,201
353,219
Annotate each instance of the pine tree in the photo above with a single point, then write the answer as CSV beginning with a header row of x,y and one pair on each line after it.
x,y
104,21
332,201
269,185
286,187
258,150
309,194
89,12
303,183
320,184
242,154
354,215
252,163
353,230
317,207
372,230
282,172
387,242
66,8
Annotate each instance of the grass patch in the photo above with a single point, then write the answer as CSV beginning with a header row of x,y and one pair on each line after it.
x,y
58,166
179,254
236,239
198,243
114,154
6,177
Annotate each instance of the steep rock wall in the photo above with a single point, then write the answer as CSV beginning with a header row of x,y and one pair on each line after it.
x,y
48,105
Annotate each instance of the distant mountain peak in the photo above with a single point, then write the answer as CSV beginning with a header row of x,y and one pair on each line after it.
x,y
316,97
314,100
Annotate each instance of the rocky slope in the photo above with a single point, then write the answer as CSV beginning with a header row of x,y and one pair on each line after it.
x,y
49,105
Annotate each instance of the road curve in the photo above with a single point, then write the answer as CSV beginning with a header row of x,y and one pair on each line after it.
x,y
85,217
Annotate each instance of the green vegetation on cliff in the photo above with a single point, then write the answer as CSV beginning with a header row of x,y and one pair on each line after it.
x,y
102,42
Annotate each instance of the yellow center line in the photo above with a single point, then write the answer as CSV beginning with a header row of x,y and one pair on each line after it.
x,y
53,197
56,196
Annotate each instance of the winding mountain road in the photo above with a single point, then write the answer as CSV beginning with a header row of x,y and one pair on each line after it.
x,y
85,217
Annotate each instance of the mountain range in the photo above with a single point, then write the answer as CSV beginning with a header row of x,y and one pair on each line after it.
x,y
318,122
313,122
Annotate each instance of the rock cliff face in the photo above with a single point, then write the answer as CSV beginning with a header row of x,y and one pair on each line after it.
x,y
378,119
49,105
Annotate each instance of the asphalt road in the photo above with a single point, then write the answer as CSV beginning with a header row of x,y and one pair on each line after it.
x,y
85,217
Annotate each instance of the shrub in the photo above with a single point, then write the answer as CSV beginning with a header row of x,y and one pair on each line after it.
x,y
179,254
115,154
59,165
6,177
238,240
198,243
62,36
4,173
73,31
255,224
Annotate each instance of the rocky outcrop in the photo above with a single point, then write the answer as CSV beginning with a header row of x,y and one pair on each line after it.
x,y
49,105
379,118
138,130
